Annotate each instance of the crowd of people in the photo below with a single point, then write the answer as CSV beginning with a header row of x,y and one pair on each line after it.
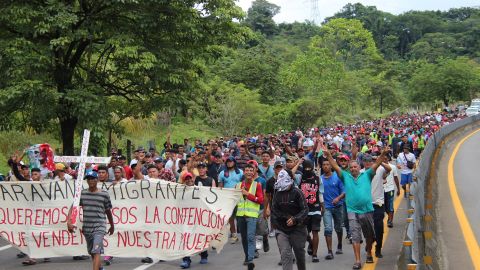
x,y
345,175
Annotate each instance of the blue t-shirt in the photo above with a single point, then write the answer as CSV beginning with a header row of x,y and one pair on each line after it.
x,y
333,187
232,180
358,191
266,173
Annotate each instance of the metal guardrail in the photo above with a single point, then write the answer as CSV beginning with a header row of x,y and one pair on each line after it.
x,y
420,248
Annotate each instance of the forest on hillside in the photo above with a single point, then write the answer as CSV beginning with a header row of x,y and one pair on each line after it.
x,y
66,67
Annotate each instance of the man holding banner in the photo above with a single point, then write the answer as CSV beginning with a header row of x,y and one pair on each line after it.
x,y
96,206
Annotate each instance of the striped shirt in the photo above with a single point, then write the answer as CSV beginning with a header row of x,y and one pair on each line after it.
x,y
94,205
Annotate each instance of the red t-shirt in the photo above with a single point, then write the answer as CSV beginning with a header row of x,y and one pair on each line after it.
x,y
259,193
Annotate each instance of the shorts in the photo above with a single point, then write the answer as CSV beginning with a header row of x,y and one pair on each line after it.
x,y
389,196
333,219
361,223
94,242
406,179
313,222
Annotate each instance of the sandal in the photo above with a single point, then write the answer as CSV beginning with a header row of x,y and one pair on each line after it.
x,y
357,266
29,262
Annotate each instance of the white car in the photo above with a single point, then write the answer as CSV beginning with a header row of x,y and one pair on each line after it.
x,y
471,111
475,103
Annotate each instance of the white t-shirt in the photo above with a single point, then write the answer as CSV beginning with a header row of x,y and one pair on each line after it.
x,y
402,161
378,196
390,184
67,177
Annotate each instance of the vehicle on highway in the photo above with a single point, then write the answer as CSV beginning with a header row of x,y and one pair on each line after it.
x,y
475,103
471,111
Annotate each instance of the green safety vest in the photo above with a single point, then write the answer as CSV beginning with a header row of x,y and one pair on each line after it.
x,y
390,139
421,142
245,207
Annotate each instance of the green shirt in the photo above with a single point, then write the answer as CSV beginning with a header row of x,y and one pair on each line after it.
x,y
358,192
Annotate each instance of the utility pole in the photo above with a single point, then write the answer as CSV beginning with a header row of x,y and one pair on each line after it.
x,y
315,12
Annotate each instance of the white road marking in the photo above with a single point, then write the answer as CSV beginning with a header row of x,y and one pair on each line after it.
x,y
5,247
146,266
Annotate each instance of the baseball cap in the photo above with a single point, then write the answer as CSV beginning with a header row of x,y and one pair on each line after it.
x,y
187,175
344,157
158,160
253,162
278,163
91,175
59,166
367,158
201,164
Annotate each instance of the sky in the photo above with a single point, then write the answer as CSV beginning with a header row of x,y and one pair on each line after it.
x,y
301,10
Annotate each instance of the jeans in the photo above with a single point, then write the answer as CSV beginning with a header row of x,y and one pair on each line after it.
x,y
247,226
378,216
333,218
293,240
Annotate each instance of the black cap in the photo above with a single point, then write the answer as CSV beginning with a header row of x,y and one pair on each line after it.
x,y
201,164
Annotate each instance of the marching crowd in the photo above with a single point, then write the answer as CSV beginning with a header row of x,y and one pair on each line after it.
x,y
345,177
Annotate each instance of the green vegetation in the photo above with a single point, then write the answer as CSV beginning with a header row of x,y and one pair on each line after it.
x,y
138,69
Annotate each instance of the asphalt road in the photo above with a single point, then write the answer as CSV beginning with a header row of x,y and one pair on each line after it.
x,y
466,181
230,258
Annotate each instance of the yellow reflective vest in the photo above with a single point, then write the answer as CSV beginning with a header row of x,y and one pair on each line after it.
x,y
245,207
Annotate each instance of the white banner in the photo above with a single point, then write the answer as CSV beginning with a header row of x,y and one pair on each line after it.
x,y
161,220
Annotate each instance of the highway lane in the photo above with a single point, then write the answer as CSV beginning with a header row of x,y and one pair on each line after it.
x,y
231,257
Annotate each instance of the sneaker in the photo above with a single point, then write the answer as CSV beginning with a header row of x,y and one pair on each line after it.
x,y
251,266
81,258
147,260
339,251
271,234
256,254
101,268
369,259
280,263
378,254
390,224
329,256
21,255
266,244
108,260
234,238
315,259
185,264
203,261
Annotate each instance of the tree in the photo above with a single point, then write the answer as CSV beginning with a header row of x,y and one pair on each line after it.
x,y
260,17
231,108
82,52
349,42
434,46
377,22
449,80
258,69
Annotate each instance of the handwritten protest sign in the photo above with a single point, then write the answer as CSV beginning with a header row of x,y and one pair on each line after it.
x,y
161,220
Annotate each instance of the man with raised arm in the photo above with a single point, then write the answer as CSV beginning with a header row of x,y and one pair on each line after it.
x,y
359,203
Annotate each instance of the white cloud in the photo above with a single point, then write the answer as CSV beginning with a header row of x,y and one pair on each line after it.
x,y
300,10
